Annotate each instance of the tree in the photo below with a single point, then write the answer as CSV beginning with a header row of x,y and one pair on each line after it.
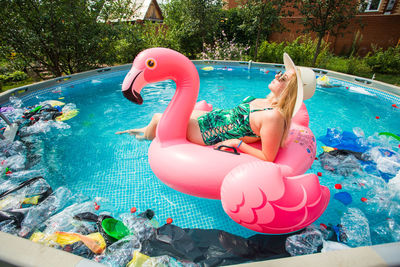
x,y
63,36
192,23
327,16
259,19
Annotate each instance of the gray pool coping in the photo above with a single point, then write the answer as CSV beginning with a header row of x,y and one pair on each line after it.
x,y
16,251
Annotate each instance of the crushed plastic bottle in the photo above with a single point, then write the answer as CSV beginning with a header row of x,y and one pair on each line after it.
x,y
356,227
64,221
120,253
8,227
37,215
141,226
16,162
307,242
331,246
343,164
15,102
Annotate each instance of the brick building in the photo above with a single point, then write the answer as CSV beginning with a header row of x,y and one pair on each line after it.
x,y
379,24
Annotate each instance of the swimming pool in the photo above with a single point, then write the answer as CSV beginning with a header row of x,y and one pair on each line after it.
x,y
90,159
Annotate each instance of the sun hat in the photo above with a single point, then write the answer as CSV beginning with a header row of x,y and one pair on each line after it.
x,y
306,81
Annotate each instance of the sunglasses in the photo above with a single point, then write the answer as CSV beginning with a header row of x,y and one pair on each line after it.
x,y
281,76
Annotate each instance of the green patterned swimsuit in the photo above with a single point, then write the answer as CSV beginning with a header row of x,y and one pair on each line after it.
x,y
223,124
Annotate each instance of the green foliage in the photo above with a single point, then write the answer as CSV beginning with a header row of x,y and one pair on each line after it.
x,y
323,16
387,61
259,19
192,23
126,44
118,10
62,36
231,20
15,76
351,65
271,52
300,50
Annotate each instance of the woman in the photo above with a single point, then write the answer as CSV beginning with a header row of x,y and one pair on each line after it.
x,y
266,119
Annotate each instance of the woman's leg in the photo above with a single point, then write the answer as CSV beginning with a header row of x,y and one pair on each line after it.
x,y
148,132
193,133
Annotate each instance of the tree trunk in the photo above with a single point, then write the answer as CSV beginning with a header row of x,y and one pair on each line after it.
x,y
320,36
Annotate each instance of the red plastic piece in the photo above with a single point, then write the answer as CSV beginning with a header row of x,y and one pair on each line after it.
x,y
363,199
319,173
133,209
338,186
169,221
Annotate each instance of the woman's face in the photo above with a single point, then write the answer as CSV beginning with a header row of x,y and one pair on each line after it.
x,y
280,82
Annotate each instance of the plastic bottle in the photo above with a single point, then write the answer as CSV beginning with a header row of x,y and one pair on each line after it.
x,y
37,215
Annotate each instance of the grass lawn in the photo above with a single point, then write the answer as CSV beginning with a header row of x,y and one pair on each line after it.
x,y
388,78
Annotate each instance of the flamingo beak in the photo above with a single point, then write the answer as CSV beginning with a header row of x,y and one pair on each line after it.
x,y
133,83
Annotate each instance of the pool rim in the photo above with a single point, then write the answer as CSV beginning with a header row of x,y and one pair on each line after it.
x,y
388,91
385,253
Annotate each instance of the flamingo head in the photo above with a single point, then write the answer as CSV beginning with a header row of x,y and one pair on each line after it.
x,y
151,65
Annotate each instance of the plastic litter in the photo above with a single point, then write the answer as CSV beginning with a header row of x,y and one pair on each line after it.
x,y
356,227
65,220
73,224
343,197
121,252
212,247
307,242
40,213
142,225
140,259
115,228
343,162
331,246
339,139
387,162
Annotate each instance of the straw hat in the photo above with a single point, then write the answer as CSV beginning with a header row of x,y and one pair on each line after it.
x,y
306,81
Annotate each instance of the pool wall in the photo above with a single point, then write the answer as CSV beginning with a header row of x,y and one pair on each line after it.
x,y
16,251
388,91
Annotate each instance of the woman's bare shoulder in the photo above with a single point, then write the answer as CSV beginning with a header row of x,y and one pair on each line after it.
x,y
272,115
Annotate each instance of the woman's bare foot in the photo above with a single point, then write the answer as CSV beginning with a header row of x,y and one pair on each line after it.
x,y
138,133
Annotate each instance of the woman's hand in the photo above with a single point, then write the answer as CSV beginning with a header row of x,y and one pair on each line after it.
x,y
230,142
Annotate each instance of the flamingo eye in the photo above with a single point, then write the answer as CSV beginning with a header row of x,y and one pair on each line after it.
x,y
151,63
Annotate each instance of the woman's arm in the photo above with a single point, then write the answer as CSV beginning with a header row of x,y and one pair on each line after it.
x,y
271,131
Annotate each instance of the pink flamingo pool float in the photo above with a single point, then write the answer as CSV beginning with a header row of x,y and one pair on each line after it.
x,y
266,197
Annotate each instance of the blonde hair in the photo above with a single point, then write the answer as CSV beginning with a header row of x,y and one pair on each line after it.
x,y
285,104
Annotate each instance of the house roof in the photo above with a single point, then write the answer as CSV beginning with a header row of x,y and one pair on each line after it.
x,y
144,7
142,10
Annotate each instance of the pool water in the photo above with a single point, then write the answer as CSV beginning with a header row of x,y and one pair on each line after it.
x,y
90,159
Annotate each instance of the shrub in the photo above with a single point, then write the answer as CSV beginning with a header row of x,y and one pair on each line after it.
x,y
387,61
223,49
338,64
301,50
358,66
16,76
127,44
271,52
